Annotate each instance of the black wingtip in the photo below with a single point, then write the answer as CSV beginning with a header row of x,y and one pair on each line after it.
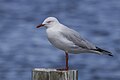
x,y
104,51
110,55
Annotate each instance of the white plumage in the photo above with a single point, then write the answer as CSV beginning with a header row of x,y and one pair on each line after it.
x,y
68,39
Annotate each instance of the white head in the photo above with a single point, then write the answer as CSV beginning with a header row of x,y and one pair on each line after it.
x,y
49,22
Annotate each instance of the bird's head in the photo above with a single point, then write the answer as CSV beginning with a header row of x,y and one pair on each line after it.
x,y
48,22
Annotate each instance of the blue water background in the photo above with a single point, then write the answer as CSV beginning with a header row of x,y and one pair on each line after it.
x,y
23,47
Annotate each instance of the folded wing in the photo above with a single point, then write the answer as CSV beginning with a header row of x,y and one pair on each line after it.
x,y
76,38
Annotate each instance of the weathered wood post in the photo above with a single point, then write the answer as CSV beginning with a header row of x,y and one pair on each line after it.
x,y
53,74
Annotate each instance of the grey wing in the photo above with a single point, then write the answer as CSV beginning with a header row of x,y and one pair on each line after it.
x,y
74,36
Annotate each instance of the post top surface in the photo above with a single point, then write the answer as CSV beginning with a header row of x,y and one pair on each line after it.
x,y
48,70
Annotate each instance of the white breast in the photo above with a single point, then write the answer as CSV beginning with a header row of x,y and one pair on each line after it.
x,y
58,40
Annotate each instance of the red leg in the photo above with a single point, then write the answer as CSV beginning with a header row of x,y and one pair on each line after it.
x,y
67,66
66,61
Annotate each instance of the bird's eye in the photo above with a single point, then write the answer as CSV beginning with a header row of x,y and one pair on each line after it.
x,y
49,21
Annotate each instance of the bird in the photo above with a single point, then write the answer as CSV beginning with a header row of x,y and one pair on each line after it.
x,y
68,40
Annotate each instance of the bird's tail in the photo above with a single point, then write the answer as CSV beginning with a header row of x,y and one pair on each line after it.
x,y
99,50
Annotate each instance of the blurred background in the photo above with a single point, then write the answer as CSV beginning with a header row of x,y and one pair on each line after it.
x,y
23,47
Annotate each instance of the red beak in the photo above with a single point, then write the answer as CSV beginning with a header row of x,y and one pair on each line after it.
x,y
40,25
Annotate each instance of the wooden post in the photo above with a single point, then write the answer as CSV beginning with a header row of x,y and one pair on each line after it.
x,y
53,74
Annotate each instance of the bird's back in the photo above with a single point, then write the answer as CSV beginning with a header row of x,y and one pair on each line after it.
x,y
65,38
